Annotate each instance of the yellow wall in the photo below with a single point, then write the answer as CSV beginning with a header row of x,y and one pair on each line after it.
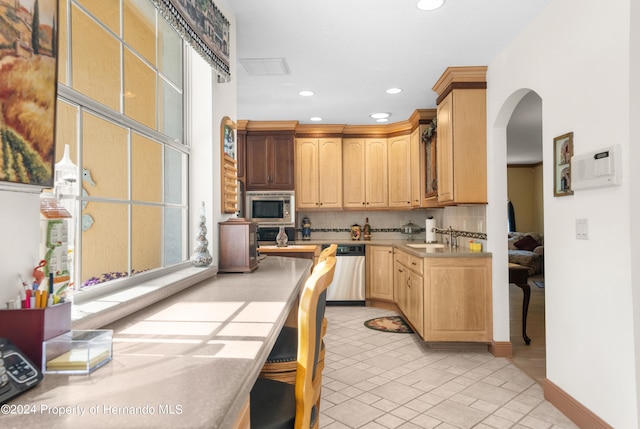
x,y
524,189
95,66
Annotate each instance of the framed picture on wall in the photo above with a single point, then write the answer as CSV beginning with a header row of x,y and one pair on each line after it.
x,y
562,153
28,83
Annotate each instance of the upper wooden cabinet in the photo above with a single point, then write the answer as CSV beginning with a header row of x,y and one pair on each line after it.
x,y
417,165
462,136
269,160
318,173
404,170
364,173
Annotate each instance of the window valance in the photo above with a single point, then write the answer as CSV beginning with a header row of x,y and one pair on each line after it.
x,y
204,27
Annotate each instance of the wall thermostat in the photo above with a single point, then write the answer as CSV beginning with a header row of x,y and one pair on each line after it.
x,y
596,169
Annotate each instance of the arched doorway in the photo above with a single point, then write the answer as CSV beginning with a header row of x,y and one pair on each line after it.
x,y
525,196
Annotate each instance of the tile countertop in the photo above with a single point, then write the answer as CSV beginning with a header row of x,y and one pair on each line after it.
x,y
188,361
442,252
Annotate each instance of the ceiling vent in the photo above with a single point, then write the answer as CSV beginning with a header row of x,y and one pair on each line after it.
x,y
265,66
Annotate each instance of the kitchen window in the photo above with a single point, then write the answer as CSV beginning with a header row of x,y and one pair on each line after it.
x,y
120,110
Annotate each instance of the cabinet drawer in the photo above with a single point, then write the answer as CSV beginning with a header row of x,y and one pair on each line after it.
x,y
402,258
414,263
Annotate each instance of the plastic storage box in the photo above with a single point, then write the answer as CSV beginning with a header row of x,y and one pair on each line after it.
x,y
77,352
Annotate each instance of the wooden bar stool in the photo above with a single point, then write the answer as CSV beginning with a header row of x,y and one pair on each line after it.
x,y
281,363
276,404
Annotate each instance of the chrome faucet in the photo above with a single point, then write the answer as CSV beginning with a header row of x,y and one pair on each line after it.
x,y
453,236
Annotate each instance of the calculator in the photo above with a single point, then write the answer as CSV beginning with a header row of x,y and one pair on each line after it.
x,y
17,372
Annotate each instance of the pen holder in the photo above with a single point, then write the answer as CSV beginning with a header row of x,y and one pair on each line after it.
x,y
29,328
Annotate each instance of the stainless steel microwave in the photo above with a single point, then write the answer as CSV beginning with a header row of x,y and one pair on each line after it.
x,y
271,208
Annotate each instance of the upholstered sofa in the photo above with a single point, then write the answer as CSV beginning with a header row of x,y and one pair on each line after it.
x,y
527,249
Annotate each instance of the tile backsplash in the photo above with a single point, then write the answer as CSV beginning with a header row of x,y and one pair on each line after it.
x,y
385,225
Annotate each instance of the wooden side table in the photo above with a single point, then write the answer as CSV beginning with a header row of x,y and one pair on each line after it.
x,y
519,276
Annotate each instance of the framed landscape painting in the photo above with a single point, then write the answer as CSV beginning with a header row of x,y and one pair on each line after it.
x,y
28,80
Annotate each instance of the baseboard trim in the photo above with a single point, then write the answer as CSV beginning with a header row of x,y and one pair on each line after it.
x,y
382,304
574,410
501,348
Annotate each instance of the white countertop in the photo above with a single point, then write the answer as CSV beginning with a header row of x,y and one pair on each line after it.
x,y
188,361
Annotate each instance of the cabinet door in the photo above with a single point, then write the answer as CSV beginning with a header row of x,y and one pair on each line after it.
x,y
353,173
269,162
380,270
415,301
282,171
258,162
376,173
400,288
457,299
307,174
400,172
417,166
330,173
445,150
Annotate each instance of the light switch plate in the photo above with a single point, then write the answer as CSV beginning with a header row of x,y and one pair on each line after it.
x,y
582,229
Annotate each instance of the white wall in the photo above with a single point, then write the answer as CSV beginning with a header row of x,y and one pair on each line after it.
x,y
211,101
576,57
20,235
634,177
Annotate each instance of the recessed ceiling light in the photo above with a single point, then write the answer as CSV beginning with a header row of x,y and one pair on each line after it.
x,y
394,90
380,115
382,120
306,93
315,119
429,4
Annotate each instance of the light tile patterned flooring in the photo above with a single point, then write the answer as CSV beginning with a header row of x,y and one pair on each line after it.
x,y
378,380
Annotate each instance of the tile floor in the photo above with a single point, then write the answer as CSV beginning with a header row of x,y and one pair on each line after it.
x,y
378,380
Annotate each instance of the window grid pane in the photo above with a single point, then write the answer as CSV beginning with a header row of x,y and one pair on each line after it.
x,y
129,63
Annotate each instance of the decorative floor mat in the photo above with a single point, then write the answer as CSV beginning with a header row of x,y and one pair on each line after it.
x,y
389,324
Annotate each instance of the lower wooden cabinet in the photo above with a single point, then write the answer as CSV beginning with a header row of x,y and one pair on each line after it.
x,y
379,265
445,299
408,285
458,299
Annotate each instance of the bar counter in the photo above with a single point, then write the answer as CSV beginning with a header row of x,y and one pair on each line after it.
x,y
188,361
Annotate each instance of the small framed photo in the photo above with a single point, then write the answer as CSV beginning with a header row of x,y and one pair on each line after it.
x,y
562,153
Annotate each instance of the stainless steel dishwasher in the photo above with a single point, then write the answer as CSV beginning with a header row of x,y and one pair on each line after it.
x,y
348,285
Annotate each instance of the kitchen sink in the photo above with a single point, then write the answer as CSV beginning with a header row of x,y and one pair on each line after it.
x,y
426,245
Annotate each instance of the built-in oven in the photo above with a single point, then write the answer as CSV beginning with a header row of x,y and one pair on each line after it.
x,y
271,208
